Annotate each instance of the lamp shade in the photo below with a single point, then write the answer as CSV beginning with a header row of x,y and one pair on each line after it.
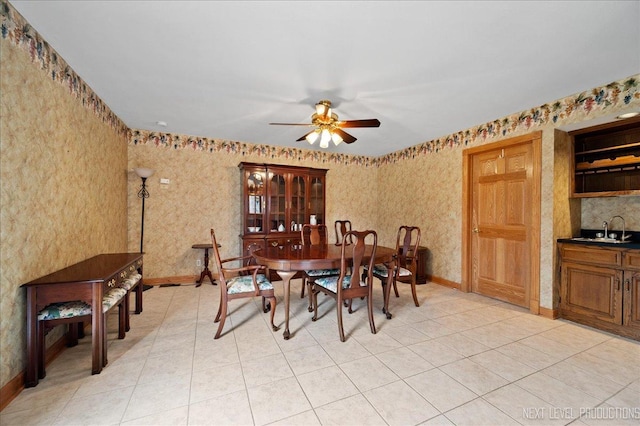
x,y
144,172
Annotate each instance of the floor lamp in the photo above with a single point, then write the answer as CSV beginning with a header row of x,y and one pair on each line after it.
x,y
143,193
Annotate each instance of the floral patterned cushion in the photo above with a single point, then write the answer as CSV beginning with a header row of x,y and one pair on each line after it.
x,y
112,297
331,283
244,284
322,272
131,282
58,310
381,270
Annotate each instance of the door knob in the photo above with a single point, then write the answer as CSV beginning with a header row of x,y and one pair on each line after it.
x,y
475,230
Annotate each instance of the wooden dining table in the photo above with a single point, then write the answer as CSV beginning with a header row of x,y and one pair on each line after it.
x,y
287,260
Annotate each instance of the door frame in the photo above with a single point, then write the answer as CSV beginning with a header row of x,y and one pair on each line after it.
x,y
535,139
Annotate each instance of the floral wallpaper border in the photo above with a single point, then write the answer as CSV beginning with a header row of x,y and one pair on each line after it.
x,y
587,102
15,28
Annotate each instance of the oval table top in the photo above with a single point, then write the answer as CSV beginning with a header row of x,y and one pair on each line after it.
x,y
323,256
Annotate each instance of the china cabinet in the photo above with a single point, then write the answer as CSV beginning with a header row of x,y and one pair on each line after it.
x,y
606,160
277,200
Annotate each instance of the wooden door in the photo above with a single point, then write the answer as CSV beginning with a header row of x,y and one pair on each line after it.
x,y
503,222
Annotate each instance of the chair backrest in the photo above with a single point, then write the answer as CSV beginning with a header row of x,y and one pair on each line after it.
x,y
342,227
407,246
358,247
313,234
216,254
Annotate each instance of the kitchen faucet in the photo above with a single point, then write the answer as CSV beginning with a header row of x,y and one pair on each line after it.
x,y
605,225
623,226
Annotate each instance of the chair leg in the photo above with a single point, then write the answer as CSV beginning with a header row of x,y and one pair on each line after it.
x,y
72,335
395,287
304,284
370,310
413,292
104,340
127,307
219,311
222,316
272,299
340,327
122,319
315,302
40,350
310,286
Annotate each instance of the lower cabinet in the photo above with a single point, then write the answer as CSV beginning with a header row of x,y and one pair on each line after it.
x,y
599,288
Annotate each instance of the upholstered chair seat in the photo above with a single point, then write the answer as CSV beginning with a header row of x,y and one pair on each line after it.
x,y
244,284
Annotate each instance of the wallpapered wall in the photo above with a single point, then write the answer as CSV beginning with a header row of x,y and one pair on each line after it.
x,y
63,189
204,192
68,190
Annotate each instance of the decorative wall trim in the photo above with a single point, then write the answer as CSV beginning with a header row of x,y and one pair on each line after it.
x,y
443,282
616,94
268,152
17,30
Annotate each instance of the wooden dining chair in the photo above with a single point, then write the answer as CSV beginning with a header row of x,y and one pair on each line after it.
x,y
407,242
314,235
341,228
238,282
348,284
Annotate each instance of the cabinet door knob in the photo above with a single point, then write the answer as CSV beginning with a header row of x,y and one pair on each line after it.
x,y
475,230
628,283
274,243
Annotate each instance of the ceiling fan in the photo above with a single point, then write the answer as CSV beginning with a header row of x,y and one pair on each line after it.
x,y
328,127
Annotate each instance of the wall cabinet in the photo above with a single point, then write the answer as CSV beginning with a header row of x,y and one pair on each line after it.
x,y
277,200
599,287
606,160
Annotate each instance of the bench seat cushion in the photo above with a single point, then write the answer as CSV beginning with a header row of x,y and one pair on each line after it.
x,y
59,310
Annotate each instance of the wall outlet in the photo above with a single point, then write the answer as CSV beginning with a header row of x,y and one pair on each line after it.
x,y
198,263
164,181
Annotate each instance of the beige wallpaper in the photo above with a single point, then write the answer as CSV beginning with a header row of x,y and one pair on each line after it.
x,y
204,192
68,190
62,189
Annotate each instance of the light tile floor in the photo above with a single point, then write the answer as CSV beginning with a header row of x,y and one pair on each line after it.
x,y
459,359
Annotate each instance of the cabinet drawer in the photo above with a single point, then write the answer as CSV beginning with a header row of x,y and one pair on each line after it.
x,y
583,254
631,260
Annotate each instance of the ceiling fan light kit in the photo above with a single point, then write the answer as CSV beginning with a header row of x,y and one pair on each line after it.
x,y
328,127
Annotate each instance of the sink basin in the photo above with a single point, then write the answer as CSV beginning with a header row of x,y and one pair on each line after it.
x,y
598,240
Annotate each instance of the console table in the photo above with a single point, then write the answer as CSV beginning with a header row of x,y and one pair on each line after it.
x,y
85,281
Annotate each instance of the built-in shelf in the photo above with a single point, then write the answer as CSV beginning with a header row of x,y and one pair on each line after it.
x,y
606,160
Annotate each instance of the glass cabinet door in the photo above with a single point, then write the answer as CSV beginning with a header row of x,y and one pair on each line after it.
x,y
316,198
255,202
298,202
277,203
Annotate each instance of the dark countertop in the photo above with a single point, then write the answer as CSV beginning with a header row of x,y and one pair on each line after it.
x,y
632,242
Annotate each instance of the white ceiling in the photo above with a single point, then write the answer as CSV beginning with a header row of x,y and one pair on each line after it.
x,y
425,69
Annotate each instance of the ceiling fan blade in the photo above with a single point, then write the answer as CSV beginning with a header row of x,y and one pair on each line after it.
x,y
346,137
305,136
291,124
372,122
